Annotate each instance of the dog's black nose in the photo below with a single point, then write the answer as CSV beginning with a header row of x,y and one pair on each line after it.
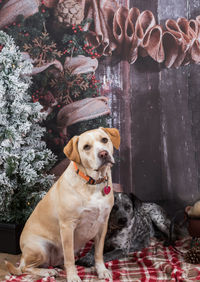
x,y
122,221
103,154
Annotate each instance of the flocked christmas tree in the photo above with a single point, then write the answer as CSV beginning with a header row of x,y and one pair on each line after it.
x,y
24,158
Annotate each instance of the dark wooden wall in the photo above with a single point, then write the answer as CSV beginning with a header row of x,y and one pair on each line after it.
x,y
157,111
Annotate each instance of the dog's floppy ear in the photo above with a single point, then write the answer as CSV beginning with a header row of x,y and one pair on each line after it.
x,y
135,201
71,150
114,135
133,198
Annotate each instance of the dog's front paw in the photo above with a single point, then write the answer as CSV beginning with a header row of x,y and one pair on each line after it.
x,y
73,278
72,275
103,272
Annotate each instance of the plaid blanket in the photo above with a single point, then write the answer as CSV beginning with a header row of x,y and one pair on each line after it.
x,y
152,264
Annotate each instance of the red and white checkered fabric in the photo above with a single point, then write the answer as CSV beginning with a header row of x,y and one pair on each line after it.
x,y
155,263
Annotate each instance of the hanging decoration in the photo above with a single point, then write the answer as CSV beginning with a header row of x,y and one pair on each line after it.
x,y
80,64
136,33
114,28
63,68
69,12
65,38
85,109
100,30
42,50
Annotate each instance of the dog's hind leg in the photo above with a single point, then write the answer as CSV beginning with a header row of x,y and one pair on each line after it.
x,y
158,216
31,260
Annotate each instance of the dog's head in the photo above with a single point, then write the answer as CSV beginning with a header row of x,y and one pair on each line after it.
x,y
122,211
93,149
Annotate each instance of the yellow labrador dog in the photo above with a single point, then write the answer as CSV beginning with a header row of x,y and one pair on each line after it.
x,y
75,210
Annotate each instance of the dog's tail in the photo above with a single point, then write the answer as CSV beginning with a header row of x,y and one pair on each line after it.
x,y
12,269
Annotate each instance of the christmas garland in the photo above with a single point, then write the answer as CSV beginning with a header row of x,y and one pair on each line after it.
x,y
54,88
127,32
130,33
59,32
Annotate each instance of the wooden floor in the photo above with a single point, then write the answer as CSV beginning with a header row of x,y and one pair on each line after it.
x,y
12,258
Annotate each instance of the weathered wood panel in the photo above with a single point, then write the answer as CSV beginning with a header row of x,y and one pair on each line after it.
x,y
157,112
178,151
110,74
179,170
194,98
125,154
146,174
116,74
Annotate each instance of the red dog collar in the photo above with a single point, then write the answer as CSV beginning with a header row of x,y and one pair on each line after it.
x,y
88,178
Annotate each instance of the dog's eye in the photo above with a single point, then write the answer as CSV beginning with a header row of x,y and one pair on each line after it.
x,y
86,147
127,207
104,140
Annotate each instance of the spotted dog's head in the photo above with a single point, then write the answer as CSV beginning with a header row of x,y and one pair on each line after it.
x,y
93,149
122,211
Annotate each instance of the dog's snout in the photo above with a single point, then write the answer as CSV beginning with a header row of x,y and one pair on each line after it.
x,y
122,221
103,154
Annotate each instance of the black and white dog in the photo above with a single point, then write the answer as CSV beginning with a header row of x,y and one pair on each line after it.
x,y
131,225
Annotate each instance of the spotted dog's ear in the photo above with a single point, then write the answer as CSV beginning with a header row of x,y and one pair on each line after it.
x,y
134,199
71,150
114,135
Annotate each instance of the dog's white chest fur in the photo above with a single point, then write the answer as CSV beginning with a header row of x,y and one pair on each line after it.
x,y
93,214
